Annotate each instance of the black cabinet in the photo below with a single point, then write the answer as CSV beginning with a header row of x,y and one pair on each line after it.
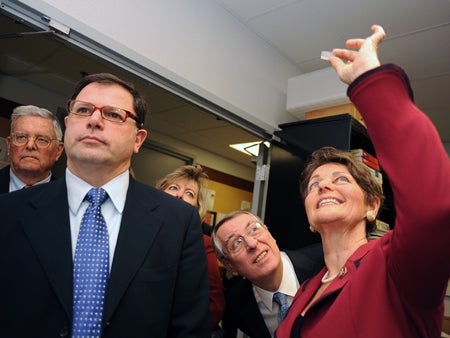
x,y
284,212
340,131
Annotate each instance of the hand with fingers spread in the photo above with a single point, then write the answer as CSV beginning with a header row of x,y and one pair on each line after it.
x,y
349,64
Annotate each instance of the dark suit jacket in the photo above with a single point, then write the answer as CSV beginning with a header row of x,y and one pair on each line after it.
x,y
241,309
158,284
4,179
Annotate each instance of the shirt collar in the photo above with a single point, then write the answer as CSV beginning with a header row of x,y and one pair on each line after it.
x,y
116,189
17,184
289,283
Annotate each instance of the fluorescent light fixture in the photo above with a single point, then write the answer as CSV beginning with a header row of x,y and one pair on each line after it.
x,y
249,148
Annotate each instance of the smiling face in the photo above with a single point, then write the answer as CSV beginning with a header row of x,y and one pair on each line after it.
x,y
259,260
334,197
29,162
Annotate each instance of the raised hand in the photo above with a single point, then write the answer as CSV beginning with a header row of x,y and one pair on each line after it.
x,y
363,56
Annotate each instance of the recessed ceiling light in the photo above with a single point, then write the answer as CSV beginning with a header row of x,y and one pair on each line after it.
x,y
249,148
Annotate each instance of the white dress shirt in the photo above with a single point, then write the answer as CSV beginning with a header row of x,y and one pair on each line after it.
x,y
289,285
112,208
16,183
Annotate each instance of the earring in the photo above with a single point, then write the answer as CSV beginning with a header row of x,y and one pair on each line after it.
x,y
312,229
370,216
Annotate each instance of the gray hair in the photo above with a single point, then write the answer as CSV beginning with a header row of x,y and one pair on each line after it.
x,y
36,111
215,242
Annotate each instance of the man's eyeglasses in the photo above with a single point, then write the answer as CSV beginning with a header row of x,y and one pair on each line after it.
x,y
40,141
235,244
109,113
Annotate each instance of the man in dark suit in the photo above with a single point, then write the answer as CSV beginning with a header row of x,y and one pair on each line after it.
x,y
247,249
34,146
157,285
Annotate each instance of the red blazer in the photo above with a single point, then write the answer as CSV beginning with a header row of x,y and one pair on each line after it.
x,y
216,294
394,286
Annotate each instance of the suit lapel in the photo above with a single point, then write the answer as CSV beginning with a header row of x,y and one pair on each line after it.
x,y
345,275
138,230
47,226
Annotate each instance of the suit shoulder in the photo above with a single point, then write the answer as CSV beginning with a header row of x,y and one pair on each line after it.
x,y
237,288
307,261
312,250
44,192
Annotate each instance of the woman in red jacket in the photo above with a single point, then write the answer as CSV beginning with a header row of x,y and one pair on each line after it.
x,y
392,286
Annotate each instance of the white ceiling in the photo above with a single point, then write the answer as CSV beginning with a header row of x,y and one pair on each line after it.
x,y
418,39
51,65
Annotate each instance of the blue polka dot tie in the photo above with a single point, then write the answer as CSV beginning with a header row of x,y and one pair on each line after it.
x,y
281,300
91,269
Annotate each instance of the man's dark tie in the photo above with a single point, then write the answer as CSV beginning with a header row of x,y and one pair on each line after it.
x,y
91,268
281,300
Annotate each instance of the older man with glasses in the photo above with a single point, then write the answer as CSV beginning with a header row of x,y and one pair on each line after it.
x,y
257,303
34,146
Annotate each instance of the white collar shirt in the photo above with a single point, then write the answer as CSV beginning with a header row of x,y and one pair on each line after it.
x,y
289,286
16,183
112,208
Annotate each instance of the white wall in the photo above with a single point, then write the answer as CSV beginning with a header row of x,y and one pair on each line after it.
x,y
196,43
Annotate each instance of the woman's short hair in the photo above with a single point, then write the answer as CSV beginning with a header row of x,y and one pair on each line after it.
x,y
190,172
362,175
